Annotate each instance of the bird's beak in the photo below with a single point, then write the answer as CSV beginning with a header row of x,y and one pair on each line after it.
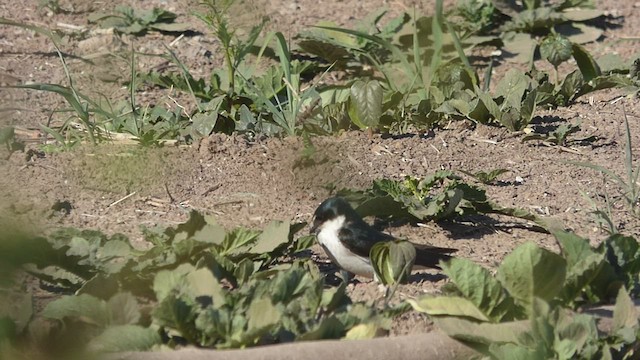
x,y
314,228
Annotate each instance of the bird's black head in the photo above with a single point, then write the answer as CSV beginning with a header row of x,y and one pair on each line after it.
x,y
330,209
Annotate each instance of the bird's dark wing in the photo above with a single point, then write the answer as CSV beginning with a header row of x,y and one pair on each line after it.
x,y
430,256
360,238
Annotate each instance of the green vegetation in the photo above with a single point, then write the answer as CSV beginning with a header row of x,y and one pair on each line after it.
x,y
436,197
411,73
127,20
198,284
531,307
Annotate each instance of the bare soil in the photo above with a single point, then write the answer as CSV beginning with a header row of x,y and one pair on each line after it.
x,y
118,188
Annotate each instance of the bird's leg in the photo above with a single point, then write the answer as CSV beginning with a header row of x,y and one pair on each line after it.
x,y
346,276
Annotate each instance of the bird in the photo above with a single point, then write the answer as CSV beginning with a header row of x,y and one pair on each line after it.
x,y
347,239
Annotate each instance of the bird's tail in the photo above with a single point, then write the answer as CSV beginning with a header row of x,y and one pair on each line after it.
x,y
430,256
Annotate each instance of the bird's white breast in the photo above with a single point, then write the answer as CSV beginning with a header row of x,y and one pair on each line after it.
x,y
342,256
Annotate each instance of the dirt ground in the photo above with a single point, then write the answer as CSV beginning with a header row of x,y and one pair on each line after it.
x,y
117,188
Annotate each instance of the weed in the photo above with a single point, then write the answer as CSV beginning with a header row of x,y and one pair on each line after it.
x,y
137,22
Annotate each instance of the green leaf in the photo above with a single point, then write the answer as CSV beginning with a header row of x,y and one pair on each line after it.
x,y
365,105
478,286
166,281
514,352
624,313
556,49
273,236
581,14
363,331
483,333
486,177
201,282
512,88
82,307
262,315
532,272
125,338
587,65
171,27
447,306
392,261
124,309
574,247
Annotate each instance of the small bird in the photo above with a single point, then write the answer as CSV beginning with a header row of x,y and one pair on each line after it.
x,y
347,239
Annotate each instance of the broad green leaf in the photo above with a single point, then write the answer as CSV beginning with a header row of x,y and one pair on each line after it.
x,y
176,314
82,307
167,281
580,276
245,268
124,309
578,14
203,123
514,352
262,314
171,27
587,65
556,49
363,331
530,272
478,286
491,105
334,297
448,306
392,261
574,247
125,338
484,333
623,252
542,326
366,103
512,88
273,236
201,282
80,247
624,313
329,328
571,84
575,331
237,241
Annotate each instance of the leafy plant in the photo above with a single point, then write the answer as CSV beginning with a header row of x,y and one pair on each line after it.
x,y
235,49
198,284
392,261
528,307
560,135
535,18
486,177
135,21
439,196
